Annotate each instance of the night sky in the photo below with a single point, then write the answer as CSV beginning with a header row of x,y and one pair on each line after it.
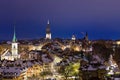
x,y
100,18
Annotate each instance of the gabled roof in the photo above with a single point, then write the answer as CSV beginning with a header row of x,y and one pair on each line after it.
x,y
8,54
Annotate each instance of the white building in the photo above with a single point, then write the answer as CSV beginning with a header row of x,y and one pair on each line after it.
x,y
14,50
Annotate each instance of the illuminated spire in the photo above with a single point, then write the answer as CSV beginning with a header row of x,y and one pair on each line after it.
x,y
48,27
48,32
48,22
14,36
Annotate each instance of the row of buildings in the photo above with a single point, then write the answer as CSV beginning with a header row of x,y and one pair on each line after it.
x,y
14,53
39,57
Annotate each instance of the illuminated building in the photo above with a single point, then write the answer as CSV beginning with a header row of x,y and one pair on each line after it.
x,y
112,66
48,33
34,70
73,37
14,50
15,47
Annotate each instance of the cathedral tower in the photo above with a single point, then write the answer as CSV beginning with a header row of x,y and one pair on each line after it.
x,y
14,45
86,36
48,32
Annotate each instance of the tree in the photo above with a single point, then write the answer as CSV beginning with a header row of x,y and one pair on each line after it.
x,y
45,73
100,48
70,70
33,77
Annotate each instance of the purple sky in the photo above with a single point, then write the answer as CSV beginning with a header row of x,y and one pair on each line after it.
x,y
100,18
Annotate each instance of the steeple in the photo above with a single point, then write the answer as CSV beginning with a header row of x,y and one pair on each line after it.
x,y
86,36
14,36
48,22
48,27
48,32
14,50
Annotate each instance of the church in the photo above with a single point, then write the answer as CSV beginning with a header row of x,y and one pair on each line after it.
x,y
13,54
46,39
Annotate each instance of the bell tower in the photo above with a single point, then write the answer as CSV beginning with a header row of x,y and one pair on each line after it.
x,y
14,46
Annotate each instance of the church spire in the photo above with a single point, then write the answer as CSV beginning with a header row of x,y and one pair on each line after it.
x,y
14,36
86,36
48,27
48,22
48,32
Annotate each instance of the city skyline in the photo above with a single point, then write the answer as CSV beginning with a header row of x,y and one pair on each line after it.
x,y
99,18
